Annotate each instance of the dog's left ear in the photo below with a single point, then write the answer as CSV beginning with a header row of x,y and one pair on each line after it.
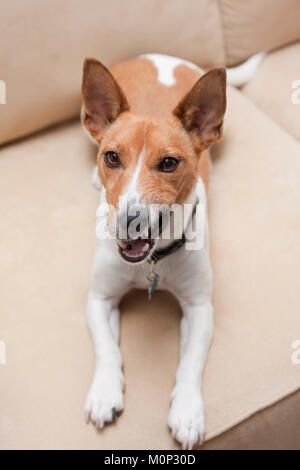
x,y
103,99
202,110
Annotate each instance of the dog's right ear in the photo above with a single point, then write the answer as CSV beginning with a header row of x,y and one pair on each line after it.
x,y
103,99
202,110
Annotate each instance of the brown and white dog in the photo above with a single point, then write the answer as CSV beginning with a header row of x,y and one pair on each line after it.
x,y
154,117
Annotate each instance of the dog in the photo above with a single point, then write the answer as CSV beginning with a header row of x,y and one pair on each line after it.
x,y
154,118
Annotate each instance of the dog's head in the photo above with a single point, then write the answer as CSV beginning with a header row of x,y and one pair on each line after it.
x,y
148,161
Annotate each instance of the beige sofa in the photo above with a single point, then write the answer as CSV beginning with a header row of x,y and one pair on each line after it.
x,y
47,207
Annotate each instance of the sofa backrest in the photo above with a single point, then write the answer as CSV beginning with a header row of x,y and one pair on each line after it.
x,y
43,45
250,26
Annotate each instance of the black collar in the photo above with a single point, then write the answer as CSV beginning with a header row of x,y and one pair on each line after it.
x,y
161,253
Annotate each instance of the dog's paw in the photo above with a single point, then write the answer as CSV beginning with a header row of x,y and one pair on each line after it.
x,y
186,418
104,401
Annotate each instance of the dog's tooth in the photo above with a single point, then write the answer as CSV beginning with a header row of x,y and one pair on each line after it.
x,y
132,256
145,248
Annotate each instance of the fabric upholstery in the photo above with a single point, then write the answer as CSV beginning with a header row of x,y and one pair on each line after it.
x,y
273,428
47,208
271,88
44,44
251,26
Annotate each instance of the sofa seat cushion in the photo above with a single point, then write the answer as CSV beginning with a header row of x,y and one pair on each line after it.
x,y
47,207
272,88
274,427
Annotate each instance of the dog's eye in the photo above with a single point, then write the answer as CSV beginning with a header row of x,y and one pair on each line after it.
x,y
112,159
168,164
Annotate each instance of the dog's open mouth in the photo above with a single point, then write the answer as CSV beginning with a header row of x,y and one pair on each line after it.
x,y
137,250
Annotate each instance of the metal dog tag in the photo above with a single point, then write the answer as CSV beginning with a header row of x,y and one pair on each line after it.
x,y
152,286
153,278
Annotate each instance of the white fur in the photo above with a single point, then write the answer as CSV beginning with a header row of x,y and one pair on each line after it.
x,y
95,178
131,193
238,76
166,65
111,279
130,201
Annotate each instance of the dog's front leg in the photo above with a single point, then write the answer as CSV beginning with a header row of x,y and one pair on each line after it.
x,y
186,418
105,397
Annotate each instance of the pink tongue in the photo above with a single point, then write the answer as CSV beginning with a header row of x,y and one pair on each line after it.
x,y
134,247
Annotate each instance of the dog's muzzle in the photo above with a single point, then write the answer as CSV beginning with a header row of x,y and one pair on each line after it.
x,y
140,237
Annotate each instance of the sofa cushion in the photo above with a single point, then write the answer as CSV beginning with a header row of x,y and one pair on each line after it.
x,y
46,44
272,87
47,208
251,26
274,427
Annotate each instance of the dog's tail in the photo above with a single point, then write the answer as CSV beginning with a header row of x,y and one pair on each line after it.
x,y
238,76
